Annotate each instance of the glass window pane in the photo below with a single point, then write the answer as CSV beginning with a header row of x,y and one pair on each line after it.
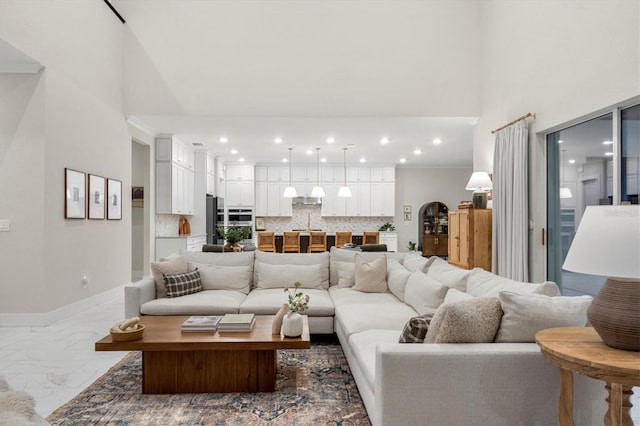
x,y
630,148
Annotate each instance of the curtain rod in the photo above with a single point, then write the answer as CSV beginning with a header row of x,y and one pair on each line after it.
x,y
527,115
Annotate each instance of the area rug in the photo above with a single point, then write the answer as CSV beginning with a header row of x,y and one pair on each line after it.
x,y
313,387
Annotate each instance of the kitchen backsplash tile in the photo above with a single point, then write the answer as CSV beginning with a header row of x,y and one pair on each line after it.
x,y
167,225
329,224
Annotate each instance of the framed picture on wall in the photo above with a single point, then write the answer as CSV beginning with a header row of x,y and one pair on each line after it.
x,y
114,199
407,209
75,206
95,197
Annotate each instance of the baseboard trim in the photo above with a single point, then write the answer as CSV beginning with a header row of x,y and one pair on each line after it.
x,y
51,317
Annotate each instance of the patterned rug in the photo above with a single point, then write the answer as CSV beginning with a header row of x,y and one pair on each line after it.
x,y
314,387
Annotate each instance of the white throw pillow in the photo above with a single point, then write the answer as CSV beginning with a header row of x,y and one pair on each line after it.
x,y
417,262
423,293
454,296
370,277
397,276
284,260
470,321
221,277
281,276
172,266
526,314
449,275
346,274
482,283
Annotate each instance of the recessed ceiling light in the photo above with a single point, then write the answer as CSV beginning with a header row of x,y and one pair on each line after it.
x,y
560,141
234,151
278,140
384,141
608,154
437,141
241,159
572,161
363,160
417,151
403,160
284,160
330,140
309,152
224,140
607,143
323,160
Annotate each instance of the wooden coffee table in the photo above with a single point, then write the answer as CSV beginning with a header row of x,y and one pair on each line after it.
x,y
177,362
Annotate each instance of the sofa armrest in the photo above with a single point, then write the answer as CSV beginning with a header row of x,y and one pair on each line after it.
x,y
492,383
136,294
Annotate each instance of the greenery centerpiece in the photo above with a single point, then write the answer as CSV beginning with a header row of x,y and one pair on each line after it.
x,y
292,322
233,235
387,227
298,301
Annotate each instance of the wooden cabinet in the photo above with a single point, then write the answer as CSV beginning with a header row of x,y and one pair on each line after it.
x,y
435,229
470,238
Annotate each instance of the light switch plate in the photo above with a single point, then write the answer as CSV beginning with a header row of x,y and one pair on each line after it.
x,y
5,225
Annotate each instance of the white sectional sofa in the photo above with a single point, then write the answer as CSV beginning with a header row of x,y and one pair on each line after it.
x,y
506,382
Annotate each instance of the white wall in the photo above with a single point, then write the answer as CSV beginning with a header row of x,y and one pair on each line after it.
x,y
70,115
418,186
561,60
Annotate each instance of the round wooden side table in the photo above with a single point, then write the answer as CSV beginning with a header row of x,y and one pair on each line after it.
x,y
580,350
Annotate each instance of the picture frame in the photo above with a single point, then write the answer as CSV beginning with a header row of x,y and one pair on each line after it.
x,y
95,197
75,205
114,199
407,209
407,217
137,196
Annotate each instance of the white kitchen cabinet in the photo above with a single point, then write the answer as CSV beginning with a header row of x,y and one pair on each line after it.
x,y
278,174
166,246
359,204
239,172
262,199
332,174
304,188
305,173
332,205
383,196
358,174
174,189
383,174
262,173
211,174
390,239
277,205
240,193
173,149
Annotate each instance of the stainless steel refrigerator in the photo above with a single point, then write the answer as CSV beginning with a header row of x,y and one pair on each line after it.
x,y
215,217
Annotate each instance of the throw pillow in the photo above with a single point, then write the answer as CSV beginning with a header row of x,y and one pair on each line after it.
x,y
417,262
183,284
224,277
469,321
370,277
482,283
526,314
415,329
423,293
454,295
346,274
397,276
449,275
172,266
281,276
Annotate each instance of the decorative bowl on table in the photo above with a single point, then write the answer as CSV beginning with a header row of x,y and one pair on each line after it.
x,y
122,332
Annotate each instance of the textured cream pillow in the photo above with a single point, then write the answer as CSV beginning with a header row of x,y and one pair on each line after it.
x,y
397,276
449,275
526,314
424,294
346,274
281,276
370,277
222,277
469,321
172,266
482,284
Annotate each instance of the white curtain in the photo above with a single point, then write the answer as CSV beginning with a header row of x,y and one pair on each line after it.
x,y
510,203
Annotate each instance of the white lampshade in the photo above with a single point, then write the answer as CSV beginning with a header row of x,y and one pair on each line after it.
x,y
479,181
317,192
290,192
344,191
565,192
607,242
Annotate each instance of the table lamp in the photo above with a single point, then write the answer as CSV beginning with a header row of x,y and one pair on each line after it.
x,y
479,183
607,243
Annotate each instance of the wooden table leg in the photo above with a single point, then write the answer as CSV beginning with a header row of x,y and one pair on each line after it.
x,y
619,406
565,404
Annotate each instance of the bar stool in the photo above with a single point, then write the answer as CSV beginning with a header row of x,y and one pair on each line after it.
x,y
317,241
370,237
267,241
291,242
342,238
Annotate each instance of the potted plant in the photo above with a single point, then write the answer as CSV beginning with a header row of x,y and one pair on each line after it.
x,y
292,323
233,235
412,246
387,227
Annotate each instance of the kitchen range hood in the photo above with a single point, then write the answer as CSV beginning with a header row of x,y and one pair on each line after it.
x,y
309,201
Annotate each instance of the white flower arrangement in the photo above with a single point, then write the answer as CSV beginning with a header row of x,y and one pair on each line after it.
x,y
298,301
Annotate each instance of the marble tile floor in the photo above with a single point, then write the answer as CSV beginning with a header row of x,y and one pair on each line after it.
x,y
55,363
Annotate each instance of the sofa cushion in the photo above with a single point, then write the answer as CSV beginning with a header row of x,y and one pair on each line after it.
x,y
206,302
349,296
484,283
282,259
469,321
416,262
346,274
171,266
363,346
454,295
449,275
397,276
415,329
370,276
183,284
342,255
222,259
267,301
222,277
281,276
368,316
525,315
424,293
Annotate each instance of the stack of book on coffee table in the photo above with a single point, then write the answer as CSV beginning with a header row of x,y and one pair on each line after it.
x,y
237,322
201,323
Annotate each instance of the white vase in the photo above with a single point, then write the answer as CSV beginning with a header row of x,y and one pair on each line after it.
x,y
292,324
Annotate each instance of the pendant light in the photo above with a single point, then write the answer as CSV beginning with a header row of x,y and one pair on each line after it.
x,y
344,190
290,191
317,191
